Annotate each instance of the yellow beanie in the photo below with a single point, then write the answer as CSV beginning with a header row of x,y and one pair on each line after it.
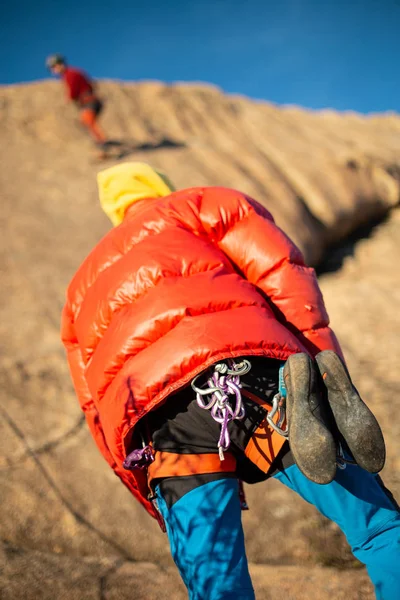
x,y
126,183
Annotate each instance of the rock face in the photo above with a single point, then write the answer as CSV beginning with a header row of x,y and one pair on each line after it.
x,y
322,174
68,525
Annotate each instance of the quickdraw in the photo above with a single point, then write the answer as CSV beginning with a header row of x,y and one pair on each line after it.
x,y
224,382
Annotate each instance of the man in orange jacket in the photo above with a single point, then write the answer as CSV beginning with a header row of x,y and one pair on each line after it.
x,y
201,354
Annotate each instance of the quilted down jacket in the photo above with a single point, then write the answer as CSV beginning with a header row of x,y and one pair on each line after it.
x,y
200,275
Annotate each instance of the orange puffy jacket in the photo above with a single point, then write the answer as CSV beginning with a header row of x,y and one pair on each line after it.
x,y
186,280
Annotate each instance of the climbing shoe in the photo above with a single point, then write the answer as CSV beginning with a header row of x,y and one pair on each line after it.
x,y
310,439
354,420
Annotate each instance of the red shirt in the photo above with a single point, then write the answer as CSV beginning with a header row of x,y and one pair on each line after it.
x,y
78,84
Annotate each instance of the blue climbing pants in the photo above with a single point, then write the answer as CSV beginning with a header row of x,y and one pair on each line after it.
x,y
207,544
206,537
367,515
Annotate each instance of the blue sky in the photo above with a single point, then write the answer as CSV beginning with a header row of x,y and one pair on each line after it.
x,y
315,53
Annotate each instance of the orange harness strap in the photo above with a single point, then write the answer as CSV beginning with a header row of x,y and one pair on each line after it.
x,y
170,464
265,443
262,449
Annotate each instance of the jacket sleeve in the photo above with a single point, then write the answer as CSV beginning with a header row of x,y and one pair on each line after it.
x,y
270,260
77,369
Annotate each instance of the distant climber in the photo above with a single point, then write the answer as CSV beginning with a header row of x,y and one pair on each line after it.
x,y
81,90
201,353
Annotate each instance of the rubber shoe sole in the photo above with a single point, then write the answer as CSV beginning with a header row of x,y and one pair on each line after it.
x,y
353,418
312,444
